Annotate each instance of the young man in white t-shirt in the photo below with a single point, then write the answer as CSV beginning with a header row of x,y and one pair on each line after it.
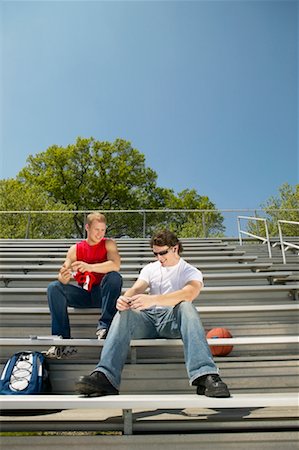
x,y
166,312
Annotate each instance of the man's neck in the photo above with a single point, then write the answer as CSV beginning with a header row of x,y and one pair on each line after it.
x,y
174,264
92,242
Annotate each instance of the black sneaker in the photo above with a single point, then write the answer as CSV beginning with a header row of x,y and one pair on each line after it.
x,y
95,385
211,386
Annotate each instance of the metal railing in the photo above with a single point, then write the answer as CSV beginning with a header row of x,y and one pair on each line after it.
x,y
260,238
285,245
53,224
142,217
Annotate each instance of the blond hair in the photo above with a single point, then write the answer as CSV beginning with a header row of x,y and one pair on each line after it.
x,y
96,216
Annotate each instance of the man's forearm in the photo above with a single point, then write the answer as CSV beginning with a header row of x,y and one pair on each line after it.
x,y
176,297
171,299
133,291
105,267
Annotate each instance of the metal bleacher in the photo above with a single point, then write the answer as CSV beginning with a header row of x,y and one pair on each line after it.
x,y
254,296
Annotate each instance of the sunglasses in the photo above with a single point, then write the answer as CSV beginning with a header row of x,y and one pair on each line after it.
x,y
162,253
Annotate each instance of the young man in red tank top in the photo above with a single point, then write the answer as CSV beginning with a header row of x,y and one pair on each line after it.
x,y
94,265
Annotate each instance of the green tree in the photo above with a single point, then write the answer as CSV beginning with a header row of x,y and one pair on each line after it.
x,y
18,196
187,224
284,206
92,175
196,224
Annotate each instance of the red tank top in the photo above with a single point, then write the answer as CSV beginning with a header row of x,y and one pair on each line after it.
x,y
92,254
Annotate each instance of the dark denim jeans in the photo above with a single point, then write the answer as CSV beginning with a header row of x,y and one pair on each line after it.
x,y
180,322
103,295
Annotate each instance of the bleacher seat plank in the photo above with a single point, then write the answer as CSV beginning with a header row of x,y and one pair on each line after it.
x,y
274,275
26,268
147,401
41,341
35,310
210,290
144,259
127,403
33,253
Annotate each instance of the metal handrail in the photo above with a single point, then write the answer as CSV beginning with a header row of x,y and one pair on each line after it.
x,y
67,211
285,243
143,212
260,238
139,211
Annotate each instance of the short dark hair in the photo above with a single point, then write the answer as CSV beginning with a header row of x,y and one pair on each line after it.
x,y
166,237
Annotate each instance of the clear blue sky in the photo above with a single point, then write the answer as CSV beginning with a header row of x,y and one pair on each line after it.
x,y
207,90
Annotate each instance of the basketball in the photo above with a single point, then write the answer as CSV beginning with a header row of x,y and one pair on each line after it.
x,y
219,350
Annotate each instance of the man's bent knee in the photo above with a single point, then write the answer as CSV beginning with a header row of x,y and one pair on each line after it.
x,y
52,287
113,278
186,308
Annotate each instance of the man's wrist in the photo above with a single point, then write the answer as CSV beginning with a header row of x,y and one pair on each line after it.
x,y
62,280
156,299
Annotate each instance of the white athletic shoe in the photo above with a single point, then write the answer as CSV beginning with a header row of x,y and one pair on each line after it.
x,y
102,333
62,352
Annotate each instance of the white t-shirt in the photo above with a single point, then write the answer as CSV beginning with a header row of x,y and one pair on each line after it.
x,y
162,280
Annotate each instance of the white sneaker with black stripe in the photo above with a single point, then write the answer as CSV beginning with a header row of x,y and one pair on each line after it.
x,y
101,333
61,352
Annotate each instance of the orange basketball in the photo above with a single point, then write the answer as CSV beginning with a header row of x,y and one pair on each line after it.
x,y
219,350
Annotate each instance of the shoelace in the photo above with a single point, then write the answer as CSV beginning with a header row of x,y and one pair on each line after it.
x,y
59,352
215,378
68,351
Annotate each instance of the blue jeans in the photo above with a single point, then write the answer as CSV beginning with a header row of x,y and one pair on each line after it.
x,y
180,322
103,295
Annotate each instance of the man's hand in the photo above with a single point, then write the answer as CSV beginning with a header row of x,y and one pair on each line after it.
x,y
142,301
81,266
123,303
65,275
137,302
